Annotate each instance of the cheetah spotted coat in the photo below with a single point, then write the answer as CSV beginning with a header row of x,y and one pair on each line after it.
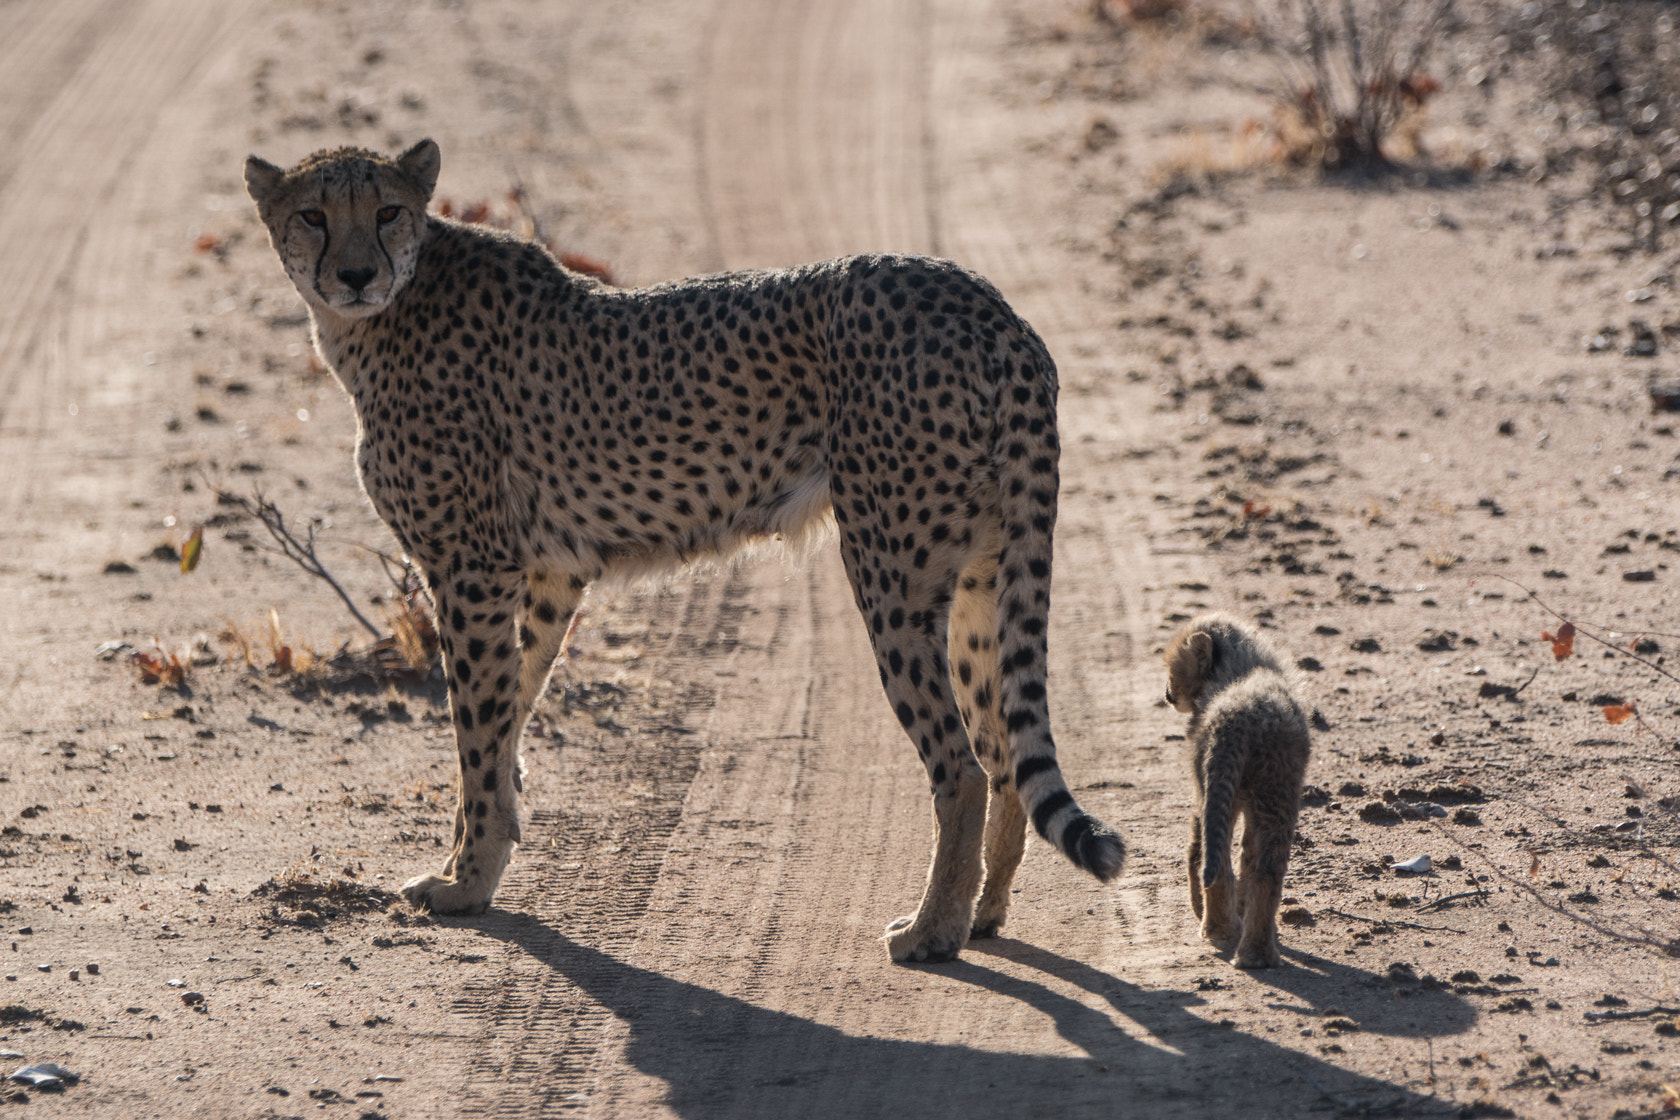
x,y
525,431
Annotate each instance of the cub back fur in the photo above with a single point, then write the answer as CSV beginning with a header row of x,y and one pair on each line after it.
x,y
1249,746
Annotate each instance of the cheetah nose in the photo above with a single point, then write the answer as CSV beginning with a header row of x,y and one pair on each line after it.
x,y
357,278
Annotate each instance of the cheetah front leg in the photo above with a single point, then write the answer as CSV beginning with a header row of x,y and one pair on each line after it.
x,y
482,664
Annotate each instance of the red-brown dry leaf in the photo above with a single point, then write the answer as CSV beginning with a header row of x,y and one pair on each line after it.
x,y
207,243
158,666
589,266
475,213
1533,863
445,208
1563,642
1617,713
1255,512
283,660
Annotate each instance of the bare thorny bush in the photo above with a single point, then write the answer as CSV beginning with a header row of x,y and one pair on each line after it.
x,y
1353,74
412,643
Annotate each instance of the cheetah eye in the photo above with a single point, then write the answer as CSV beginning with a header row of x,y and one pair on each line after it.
x,y
388,214
315,219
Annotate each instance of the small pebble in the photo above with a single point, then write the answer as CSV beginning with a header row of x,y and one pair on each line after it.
x,y
93,969
75,974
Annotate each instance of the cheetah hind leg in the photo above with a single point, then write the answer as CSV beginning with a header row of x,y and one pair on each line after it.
x,y
976,679
940,927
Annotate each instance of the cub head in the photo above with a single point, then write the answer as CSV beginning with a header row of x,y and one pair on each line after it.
x,y
1189,659
348,224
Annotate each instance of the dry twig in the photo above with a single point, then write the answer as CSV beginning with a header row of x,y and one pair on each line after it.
x,y
300,552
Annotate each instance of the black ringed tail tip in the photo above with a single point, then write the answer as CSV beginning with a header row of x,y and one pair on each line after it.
x,y
1095,847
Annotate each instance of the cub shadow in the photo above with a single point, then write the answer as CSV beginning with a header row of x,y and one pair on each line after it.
x,y
724,1057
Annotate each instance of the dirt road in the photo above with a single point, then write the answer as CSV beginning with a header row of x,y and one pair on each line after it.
x,y
722,813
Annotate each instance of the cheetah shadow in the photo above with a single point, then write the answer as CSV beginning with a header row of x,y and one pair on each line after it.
x,y
724,1057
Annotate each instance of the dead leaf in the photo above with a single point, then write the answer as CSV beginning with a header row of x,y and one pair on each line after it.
x,y
193,549
1533,864
207,243
1620,713
158,666
589,266
1563,642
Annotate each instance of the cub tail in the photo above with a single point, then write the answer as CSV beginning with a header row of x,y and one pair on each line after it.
x,y
1224,769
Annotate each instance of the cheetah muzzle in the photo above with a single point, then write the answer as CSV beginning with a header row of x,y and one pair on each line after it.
x,y
525,431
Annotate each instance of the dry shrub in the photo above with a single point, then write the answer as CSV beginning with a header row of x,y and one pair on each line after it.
x,y
1138,11
1354,83
1611,76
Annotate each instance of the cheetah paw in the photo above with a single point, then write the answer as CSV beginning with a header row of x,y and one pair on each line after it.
x,y
909,943
446,896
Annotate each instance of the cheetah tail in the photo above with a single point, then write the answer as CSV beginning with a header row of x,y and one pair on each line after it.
x,y
1223,769
1024,457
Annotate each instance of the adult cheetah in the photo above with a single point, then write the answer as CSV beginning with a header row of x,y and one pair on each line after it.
x,y
526,430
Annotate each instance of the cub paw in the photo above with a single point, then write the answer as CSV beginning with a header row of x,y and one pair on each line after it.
x,y
908,942
1258,956
446,896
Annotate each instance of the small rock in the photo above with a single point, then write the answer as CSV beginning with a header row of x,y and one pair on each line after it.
x,y
1417,865
45,1075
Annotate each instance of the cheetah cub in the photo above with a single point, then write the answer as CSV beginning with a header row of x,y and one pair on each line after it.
x,y
1249,745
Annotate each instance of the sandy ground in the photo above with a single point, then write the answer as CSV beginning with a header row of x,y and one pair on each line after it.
x,y
1367,413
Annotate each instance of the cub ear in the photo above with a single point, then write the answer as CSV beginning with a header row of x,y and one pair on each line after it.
x,y
420,163
262,179
1201,647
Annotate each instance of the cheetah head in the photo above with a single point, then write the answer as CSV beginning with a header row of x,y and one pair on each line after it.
x,y
348,224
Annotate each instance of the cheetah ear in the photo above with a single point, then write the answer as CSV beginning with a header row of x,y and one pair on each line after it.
x,y
262,179
420,163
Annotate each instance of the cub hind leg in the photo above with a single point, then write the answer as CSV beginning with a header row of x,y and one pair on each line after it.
x,y
977,681
1265,859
